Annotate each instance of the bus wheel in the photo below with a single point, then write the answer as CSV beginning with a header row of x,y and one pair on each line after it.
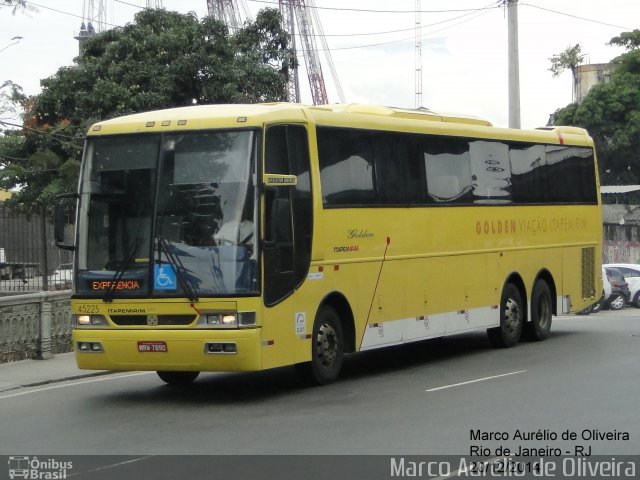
x,y
178,378
541,311
327,349
511,319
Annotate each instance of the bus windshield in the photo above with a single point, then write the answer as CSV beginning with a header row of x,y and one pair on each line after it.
x,y
168,215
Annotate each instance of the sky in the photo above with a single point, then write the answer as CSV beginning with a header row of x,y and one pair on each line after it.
x,y
372,45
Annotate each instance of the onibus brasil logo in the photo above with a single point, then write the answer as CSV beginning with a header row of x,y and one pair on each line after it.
x,y
37,469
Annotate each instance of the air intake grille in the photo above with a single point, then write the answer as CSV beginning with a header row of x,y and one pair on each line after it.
x,y
125,320
588,272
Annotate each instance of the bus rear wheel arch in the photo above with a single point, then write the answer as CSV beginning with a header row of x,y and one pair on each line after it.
x,y
512,317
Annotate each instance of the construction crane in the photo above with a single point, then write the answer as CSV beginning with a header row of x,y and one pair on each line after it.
x,y
300,20
94,20
306,17
231,12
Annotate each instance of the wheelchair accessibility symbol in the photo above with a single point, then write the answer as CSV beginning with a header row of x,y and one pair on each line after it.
x,y
164,277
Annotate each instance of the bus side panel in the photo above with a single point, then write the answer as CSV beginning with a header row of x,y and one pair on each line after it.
x,y
278,334
387,304
423,293
580,285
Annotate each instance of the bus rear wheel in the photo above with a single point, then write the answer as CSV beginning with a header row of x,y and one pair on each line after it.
x,y
178,378
511,319
327,349
541,311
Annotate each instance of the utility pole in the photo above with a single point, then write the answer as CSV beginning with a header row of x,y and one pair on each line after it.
x,y
514,69
418,54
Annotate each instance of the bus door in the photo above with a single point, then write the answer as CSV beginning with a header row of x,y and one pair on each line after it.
x,y
287,230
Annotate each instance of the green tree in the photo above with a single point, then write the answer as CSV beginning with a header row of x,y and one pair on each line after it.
x,y
9,91
628,40
611,114
629,61
162,60
568,59
18,5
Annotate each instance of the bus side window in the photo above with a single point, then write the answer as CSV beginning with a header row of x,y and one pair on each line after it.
x,y
448,170
346,167
399,171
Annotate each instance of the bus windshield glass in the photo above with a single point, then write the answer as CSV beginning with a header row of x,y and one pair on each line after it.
x,y
170,215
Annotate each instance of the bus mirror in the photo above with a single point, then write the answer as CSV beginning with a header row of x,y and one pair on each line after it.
x,y
276,180
64,216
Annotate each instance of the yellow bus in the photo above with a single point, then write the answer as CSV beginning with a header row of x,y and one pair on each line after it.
x,y
248,237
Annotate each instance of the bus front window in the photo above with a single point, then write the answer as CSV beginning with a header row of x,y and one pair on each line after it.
x,y
206,210
171,216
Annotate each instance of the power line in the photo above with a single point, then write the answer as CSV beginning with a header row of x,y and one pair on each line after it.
x,y
130,4
366,10
406,29
478,14
4,155
576,16
61,137
67,13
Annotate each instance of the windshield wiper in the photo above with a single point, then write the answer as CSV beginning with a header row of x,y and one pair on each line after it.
x,y
165,246
131,253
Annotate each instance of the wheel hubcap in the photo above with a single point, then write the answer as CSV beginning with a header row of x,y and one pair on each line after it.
x,y
327,345
544,313
512,315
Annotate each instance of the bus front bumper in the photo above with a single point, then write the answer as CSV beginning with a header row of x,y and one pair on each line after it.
x,y
176,350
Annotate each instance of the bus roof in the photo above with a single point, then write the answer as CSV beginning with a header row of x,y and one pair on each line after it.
x,y
199,117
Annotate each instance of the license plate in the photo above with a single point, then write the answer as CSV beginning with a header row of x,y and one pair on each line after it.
x,y
152,347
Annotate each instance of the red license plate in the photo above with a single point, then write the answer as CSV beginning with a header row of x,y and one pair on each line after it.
x,y
152,347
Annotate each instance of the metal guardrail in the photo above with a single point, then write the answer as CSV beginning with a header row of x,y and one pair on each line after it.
x,y
29,259
35,325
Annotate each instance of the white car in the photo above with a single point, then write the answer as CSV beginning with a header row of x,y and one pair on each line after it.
x,y
606,286
61,276
631,273
604,299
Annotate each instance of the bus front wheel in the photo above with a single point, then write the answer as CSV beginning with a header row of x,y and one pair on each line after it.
x,y
327,349
511,319
178,378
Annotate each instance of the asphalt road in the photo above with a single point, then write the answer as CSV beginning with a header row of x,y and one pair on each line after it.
x,y
440,397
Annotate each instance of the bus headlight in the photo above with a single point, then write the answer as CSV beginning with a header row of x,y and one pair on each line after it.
x,y
218,320
91,321
227,320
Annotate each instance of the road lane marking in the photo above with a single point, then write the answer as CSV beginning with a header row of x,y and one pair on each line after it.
x,y
113,465
53,387
474,381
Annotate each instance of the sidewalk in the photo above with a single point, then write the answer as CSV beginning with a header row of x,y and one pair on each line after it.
x,y
30,373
